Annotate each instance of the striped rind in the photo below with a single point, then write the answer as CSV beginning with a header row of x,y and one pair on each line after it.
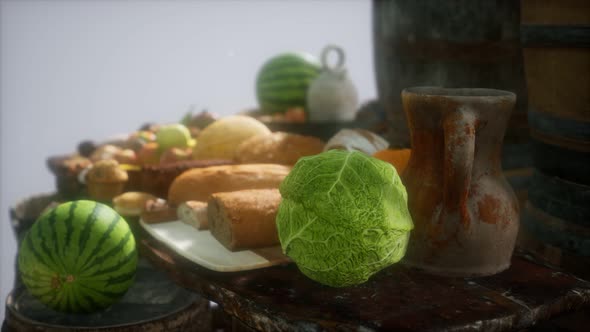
x,y
288,59
283,81
280,74
87,241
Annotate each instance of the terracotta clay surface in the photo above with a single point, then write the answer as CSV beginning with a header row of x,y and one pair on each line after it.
x,y
464,211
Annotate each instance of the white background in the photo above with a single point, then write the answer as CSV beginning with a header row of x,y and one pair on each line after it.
x,y
74,70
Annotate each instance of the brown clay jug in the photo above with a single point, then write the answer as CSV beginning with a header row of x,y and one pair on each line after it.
x,y
465,213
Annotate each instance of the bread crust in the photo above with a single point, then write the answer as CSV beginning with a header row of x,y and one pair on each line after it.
x,y
156,211
198,184
156,179
131,203
244,219
278,147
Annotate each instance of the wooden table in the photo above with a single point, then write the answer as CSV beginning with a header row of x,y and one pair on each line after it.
x,y
398,298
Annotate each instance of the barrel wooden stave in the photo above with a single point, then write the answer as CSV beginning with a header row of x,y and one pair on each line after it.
x,y
451,44
552,12
558,80
556,218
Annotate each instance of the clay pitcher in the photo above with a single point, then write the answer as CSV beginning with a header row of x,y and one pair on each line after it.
x,y
465,213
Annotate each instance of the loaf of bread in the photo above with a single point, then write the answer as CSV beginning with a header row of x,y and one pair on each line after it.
x,y
198,184
157,211
156,179
131,203
194,213
244,219
277,148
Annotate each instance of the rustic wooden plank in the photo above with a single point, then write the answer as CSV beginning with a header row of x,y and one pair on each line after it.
x,y
397,298
554,256
555,12
153,303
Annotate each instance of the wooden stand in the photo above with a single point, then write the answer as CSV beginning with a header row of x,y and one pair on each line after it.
x,y
397,298
152,304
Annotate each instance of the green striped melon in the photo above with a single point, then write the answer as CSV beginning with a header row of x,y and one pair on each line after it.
x,y
78,257
283,80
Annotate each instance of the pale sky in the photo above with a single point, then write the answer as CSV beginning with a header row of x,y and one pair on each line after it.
x,y
75,70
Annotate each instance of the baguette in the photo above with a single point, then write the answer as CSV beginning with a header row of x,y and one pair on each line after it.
x,y
156,179
198,184
278,148
244,219
194,213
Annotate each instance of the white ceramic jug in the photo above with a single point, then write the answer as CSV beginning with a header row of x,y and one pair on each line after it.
x,y
332,97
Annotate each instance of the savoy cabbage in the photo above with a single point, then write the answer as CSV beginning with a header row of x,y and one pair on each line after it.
x,y
343,217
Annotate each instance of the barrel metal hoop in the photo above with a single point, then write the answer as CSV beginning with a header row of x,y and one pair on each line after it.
x,y
560,198
568,133
539,35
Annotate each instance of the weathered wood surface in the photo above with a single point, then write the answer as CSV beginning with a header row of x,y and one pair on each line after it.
x,y
463,44
399,298
556,50
554,255
153,303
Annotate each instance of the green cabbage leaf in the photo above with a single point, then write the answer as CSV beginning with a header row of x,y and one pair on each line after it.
x,y
343,217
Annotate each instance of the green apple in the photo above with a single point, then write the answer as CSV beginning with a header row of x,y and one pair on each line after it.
x,y
173,136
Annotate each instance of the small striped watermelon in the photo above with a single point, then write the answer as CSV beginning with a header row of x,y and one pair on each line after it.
x,y
78,257
283,80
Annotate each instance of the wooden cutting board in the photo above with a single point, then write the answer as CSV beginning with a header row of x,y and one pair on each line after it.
x,y
203,249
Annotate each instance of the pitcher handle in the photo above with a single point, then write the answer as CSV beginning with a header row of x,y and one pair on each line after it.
x,y
339,59
459,135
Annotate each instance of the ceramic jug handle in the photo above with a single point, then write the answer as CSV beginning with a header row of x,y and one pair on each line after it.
x,y
459,135
340,58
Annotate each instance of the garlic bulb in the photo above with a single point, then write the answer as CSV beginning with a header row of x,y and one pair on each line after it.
x,y
357,140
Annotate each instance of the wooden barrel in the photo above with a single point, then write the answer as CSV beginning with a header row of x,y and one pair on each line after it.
x,y
457,43
556,41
